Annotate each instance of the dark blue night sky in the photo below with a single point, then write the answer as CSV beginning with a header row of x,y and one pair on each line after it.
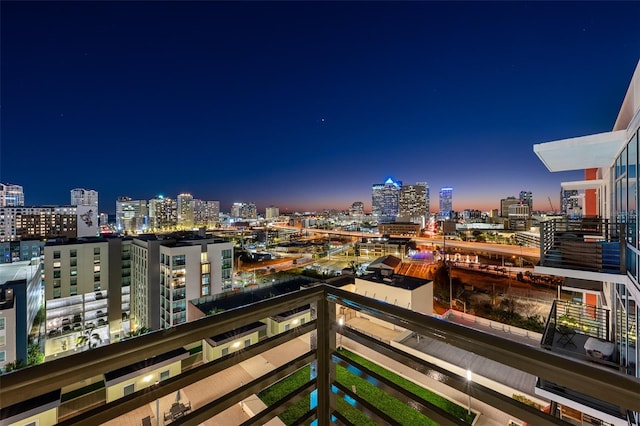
x,y
304,105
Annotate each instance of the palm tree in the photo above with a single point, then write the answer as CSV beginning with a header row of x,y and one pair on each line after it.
x,y
88,338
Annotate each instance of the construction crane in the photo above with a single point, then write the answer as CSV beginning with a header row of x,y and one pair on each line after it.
x,y
551,205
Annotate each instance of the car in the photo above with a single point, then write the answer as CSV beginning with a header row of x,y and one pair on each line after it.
x,y
53,332
66,328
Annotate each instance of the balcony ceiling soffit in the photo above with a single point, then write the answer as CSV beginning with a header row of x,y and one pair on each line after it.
x,y
585,152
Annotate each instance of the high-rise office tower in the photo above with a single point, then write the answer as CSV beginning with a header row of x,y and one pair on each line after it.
x,y
413,203
185,210
212,212
526,197
271,213
244,211
162,212
357,209
505,203
11,195
131,215
446,202
385,198
84,197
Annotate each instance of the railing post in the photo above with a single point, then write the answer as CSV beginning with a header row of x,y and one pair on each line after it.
x,y
326,371
622,239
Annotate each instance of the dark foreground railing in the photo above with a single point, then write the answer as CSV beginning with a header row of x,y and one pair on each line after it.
x,y
18,387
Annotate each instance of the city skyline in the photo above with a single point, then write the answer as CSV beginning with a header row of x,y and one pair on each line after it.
x,y
304,105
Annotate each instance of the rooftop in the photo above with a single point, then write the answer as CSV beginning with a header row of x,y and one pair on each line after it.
x,y
16,271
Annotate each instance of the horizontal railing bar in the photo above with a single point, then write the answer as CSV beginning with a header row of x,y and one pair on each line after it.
x,y
455,381
220,404
115,408
607,385
281,405
30,382
308,418
366,407
342,419
424,407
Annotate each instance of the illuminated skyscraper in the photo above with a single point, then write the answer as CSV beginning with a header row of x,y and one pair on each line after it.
x,y
131,215
244,211
385,200
414,202
446,202
271,212
185,210
526,197
11,195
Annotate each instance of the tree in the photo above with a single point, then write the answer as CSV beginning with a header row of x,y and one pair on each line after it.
x,y
34,356
88,338
441,281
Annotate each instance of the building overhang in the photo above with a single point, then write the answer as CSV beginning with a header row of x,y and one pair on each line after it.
x,y
581,185
585,152
552,396
582,275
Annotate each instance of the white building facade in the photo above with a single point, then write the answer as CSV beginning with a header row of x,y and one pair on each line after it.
x,y
11,195
84,197
610,161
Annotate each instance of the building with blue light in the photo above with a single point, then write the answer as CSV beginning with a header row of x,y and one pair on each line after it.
x,y
385,200
446,202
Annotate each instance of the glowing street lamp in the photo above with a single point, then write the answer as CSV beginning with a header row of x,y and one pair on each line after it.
x,y
468,393
340,323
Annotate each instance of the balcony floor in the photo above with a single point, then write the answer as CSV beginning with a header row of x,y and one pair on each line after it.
x,y
575,349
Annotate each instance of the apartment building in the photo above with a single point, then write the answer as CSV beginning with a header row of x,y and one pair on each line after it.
x,y
11,195
77,287
19,223
599,256
166,272
84,197
20,300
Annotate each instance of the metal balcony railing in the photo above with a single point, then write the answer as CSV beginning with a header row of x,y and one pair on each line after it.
x,y
606,385
586,244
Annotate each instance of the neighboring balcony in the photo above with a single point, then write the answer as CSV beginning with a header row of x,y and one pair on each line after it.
x,y
587,248
581,332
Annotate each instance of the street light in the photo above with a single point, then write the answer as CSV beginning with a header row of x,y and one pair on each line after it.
x,y
468,393
444,249
340,323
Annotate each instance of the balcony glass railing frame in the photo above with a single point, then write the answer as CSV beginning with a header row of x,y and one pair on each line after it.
x,y
600,383
586,244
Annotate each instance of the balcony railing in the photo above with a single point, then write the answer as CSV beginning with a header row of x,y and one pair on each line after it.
x,y
23,385
585,244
